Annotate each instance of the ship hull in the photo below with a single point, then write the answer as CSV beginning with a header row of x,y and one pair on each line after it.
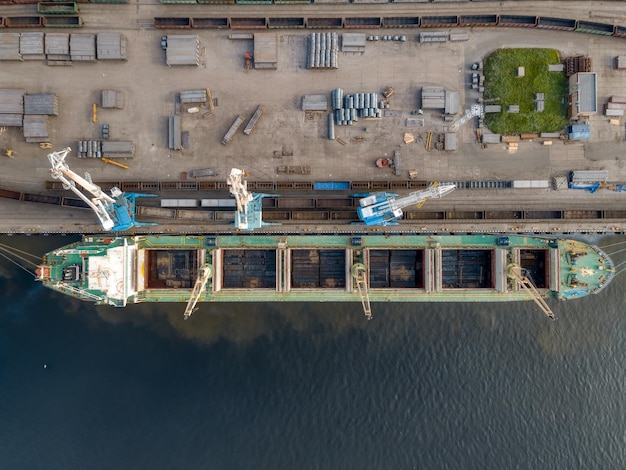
x,y
310,268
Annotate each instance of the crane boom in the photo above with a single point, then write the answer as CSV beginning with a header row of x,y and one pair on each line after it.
x,y
386,208
516,273
115,212
359,273
205,274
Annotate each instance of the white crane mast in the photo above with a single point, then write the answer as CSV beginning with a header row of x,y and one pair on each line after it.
x,y
60,170
434,191
239,189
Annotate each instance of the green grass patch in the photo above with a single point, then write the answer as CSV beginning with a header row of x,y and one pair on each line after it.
x,y
501,81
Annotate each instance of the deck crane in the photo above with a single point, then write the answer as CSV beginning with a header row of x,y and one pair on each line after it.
x,y
206,272
249,214
359,273
515,272
115,212
386,208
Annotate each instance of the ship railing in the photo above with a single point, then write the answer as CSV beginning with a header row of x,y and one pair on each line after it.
x,y
80,292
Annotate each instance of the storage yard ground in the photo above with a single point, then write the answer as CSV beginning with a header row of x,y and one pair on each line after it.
x,y
287,136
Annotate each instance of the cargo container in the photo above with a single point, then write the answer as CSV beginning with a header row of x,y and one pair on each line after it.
x,y
179,203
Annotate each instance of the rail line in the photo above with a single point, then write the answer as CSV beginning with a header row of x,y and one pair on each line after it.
x,y
314,21
334,21
349,216
283,186
320,209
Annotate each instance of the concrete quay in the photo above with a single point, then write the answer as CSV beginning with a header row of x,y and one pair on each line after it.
x,y
287,136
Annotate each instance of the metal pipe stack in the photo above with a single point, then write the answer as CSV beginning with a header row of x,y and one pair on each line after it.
x,y
89,149
323,51
349,108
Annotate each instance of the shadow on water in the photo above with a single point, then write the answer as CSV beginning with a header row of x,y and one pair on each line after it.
x,y
576,331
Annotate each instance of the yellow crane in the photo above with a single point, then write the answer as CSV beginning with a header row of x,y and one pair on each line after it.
x,y
516,272
209,98
206,272
359,273
113,162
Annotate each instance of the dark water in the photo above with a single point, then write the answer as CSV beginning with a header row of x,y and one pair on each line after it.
x,y
309,386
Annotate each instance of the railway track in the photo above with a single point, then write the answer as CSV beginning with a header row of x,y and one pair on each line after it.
x,y
326,209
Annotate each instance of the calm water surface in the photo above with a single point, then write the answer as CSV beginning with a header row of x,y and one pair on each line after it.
x,y
308,386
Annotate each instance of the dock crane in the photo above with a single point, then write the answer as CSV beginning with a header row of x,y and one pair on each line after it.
x,y
115,212
206,272
386,208
249,213
515,272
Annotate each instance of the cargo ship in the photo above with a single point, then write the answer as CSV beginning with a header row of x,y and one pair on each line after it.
x,y
122,270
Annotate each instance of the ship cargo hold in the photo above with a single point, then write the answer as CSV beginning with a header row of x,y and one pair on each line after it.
x,y
299,268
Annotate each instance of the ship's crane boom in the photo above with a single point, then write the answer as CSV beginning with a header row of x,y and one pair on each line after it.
x,y
516,272
115,212
205,274
386,208
359,273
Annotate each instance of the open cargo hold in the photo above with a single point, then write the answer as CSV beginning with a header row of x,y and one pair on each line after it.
x,y
299,268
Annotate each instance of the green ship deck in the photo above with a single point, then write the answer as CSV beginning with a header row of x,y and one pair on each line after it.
x,y
304,268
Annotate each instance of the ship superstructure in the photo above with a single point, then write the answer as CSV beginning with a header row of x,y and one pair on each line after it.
x,y
384,268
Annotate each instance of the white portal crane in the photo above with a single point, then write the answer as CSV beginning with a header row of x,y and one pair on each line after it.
x,y
386,208
475,110
206,272
239,189
249,214
115,212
